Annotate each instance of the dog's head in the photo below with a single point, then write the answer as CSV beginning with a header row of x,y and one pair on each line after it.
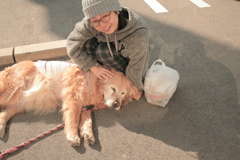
x,y
118,91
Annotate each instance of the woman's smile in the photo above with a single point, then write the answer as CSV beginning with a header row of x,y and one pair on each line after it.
x,y
106,29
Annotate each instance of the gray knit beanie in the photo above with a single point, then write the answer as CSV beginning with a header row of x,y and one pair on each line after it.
x,y
92,8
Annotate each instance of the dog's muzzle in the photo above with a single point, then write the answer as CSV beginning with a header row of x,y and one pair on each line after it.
x,y
113,105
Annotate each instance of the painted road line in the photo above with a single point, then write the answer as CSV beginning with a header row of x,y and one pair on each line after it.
x,y
156,6
200,3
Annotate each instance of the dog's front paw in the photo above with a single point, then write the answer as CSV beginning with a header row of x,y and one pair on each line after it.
x,y
2,129
88,136
74,140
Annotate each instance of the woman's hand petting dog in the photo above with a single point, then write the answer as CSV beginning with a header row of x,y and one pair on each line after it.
x,y
101,72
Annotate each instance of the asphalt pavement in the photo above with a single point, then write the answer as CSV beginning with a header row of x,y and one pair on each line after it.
x,y
200,122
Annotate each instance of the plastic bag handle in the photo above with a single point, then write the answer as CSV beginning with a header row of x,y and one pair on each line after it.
x,y
159,60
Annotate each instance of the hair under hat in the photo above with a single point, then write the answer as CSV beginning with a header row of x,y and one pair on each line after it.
x,y
92,8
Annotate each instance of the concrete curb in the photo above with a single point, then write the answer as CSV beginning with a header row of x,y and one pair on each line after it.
x,y
6,56
48,50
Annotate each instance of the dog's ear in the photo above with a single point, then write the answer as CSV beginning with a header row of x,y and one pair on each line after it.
x,y
134,92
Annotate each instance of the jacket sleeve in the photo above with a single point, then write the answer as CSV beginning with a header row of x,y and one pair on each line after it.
x,y
139,57
75,43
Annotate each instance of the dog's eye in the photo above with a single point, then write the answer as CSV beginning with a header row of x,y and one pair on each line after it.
x,y
114,90
123,93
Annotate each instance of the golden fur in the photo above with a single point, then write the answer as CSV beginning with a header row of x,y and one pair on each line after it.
x,y
24,88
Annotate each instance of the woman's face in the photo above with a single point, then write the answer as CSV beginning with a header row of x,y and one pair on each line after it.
x,y
107,27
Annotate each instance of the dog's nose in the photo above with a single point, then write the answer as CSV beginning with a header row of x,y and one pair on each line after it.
x,y
116,104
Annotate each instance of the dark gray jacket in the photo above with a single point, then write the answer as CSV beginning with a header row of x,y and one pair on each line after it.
x,y
134,44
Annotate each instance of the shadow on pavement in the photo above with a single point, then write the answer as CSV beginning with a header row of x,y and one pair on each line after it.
x,y
63,15
203,115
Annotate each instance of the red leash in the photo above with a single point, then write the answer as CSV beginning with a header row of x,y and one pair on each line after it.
x,y
5,153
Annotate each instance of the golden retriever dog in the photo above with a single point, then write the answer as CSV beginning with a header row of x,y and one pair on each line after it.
x,y
43,86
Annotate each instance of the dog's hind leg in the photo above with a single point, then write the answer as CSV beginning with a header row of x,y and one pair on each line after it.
x,y
5,115
86,127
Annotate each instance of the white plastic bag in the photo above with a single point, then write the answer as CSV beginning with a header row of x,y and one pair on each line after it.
x,y
160,83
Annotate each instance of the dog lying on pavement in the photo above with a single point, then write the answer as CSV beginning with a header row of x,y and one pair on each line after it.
x,y
42,86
